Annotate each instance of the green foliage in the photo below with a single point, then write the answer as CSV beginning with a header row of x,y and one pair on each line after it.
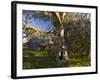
x,y
77,35
77,39
40,59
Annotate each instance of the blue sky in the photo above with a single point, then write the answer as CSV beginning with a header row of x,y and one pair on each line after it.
x,y
43,25
39,24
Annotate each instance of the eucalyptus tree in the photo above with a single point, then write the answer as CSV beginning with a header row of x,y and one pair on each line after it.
x,y
57,20
60,21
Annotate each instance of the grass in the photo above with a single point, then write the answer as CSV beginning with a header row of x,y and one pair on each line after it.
x,y
41,59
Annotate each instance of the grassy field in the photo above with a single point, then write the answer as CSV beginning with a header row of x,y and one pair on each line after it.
x,y
41,59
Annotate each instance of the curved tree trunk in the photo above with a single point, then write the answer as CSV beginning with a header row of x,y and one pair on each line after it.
x,y
62,55
65,55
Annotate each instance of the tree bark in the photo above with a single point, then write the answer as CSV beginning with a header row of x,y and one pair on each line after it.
x,y
61,19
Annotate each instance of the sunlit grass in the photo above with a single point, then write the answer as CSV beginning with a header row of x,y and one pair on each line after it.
x,y
41,59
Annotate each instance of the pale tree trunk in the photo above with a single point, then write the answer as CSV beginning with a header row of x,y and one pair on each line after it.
x,y
64,54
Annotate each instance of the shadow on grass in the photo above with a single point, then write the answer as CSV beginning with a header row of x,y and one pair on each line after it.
x,y
40,62
40,59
